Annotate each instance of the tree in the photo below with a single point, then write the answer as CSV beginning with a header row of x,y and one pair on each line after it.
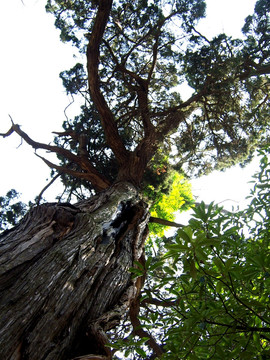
x,y
10,210
65,275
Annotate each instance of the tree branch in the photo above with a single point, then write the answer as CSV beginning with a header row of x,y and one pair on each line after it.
x,y
134,313
164,222
46,187
139,331
112,136
240,327
89,172
163,303
253,69
98,182
141,90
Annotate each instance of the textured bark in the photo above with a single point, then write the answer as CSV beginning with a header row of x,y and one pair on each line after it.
x,y
64,275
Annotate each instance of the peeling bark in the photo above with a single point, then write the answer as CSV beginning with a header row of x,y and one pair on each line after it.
x,y
64,275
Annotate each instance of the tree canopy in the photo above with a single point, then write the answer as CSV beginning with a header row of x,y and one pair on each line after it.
x,y
141,56
11,211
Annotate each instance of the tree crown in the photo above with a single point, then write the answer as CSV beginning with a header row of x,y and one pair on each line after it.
x,y
140,58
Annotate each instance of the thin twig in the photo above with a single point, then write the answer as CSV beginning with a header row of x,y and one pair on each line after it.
x,y
46,187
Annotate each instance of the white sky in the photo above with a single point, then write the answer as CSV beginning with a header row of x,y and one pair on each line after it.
x,y
32,93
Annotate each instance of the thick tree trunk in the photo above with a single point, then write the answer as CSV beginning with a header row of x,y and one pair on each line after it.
x,y
64,275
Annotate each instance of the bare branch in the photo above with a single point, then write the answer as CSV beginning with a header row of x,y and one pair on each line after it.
x,y
70,133
155,54
10,131
89,172
163,303
134,313
46,187
72,98
141,90
99,182
164,222
138,329
37,145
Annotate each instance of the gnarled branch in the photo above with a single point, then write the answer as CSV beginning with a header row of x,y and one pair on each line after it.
x,y
98,181
88,172
139,331
112,136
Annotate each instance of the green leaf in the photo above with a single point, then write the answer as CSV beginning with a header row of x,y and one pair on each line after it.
x,y
156,265
140,265
185,234
219,287
135,271
148,262
218,263
168,270
200,254
177,247
193,270
141,352
229,263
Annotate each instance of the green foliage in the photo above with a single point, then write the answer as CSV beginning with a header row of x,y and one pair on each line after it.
x,y
74,79
257,30
132,345
165,205
11,210
223,290
207,290
211,67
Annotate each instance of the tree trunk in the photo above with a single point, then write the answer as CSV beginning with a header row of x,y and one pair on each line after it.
x,y
64,276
